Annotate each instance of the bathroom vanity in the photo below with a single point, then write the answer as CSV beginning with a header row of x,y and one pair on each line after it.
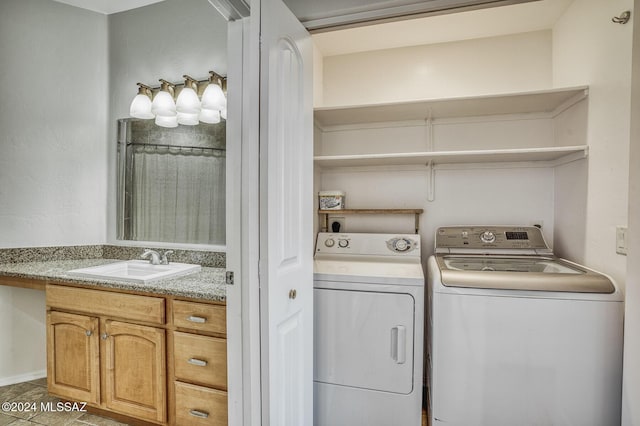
x,y
150,353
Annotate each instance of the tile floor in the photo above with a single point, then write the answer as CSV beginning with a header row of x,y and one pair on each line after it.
x,y
36,392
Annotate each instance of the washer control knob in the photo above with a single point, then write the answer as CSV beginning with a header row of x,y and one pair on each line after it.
x,y
488,237
343,243
401,245
330,242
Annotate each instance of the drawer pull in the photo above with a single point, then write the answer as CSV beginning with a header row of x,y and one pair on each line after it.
x,y
198,362
199,320
199,414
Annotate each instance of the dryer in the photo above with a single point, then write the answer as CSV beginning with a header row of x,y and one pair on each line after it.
x,y
368,330
517,336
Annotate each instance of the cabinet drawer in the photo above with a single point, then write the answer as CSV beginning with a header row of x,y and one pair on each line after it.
x,y
200,359
200,316
105,303
199,406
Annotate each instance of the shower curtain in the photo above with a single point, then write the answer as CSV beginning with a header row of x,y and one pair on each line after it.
x,y
178,195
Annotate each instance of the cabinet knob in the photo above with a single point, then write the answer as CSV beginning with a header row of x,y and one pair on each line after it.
x,y
104,336
199,414
293,293
89,333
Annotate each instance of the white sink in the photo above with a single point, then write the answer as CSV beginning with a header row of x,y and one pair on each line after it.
x,y
135,271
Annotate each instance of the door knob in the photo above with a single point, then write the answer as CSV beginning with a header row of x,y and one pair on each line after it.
x,y
293,293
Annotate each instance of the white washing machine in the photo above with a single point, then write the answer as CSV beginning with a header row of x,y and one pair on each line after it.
x,y
368,328
517,336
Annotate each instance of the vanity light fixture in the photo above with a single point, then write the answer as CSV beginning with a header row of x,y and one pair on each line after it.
x,y
141,105
163,103
213,97
188,101
188,109
211,116
166,121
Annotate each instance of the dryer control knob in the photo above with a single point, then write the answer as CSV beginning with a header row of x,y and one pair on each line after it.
x,y
487,237
330,242
343,243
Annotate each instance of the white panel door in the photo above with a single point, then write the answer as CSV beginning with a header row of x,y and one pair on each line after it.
x,y
286,198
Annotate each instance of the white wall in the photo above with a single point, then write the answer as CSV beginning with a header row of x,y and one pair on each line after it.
x,y
52,153
631,379
589,49
23,335
162,40
464,194
53,120
473,67
462,197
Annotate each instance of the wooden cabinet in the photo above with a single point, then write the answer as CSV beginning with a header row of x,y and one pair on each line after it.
x,y
135,370
120,354
112,364
200,406
199,364
73,367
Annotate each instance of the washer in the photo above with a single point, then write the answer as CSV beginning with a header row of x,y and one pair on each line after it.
x,y
517,336
368,330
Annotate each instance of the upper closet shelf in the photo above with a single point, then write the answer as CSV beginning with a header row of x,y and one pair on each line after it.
x,y
545,101
551,155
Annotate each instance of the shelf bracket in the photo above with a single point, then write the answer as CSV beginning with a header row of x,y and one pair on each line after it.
x,y
431,186
429,122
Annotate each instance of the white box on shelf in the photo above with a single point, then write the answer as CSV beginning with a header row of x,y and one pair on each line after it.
x,y
331,200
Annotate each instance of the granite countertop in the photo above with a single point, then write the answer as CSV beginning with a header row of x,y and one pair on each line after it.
x,y
208,284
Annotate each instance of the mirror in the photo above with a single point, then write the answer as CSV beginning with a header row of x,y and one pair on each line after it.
x,y
171,182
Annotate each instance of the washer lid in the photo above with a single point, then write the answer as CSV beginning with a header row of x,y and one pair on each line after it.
x,y
521,273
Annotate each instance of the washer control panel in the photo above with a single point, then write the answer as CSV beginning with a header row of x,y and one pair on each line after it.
x,y
407,245
490,237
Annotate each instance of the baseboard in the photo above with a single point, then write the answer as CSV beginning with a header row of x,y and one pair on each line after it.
x,y
26,377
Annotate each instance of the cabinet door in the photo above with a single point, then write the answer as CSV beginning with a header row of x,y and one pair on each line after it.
x,y
73,356
135,370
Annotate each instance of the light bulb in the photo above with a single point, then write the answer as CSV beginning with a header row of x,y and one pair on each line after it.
x,y
188,119
164,121
210,116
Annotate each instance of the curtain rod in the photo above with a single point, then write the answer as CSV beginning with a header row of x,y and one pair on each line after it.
x,y
175,146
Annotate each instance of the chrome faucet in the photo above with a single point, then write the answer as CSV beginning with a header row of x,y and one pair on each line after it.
x,y
165,257
155,257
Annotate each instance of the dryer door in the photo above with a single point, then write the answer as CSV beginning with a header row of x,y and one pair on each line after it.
x,y
364,339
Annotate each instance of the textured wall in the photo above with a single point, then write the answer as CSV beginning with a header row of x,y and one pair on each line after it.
x,y
52,153
590,49
53,120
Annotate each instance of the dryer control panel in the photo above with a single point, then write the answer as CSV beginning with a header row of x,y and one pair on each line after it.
x,y
405,245
451,239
